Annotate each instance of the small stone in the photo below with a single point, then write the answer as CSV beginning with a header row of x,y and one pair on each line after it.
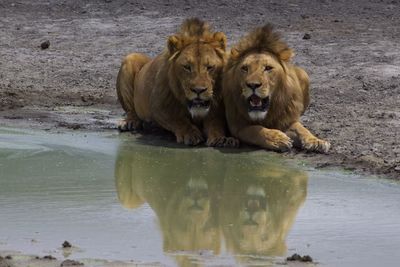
x,y
68,263
66,244
306,258
397,168
294,257
49,257
45,44
297,257
307,36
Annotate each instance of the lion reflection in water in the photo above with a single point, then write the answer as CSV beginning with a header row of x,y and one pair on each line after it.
x,y
258,208
179,191
204,199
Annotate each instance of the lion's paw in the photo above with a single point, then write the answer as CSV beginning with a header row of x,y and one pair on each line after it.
x,y
223,141
279,141
191,137
316,145
129,125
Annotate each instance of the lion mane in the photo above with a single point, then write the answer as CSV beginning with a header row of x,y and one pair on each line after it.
x,y
261,40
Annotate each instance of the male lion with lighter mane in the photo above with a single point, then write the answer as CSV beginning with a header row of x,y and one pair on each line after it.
x,y
179,89
265,95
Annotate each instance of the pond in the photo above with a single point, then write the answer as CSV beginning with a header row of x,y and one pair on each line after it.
x,y
149,202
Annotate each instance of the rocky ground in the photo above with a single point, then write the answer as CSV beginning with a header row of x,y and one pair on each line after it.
x,y
352,56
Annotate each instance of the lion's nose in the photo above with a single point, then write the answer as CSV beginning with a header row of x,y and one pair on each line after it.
x,y
253,85
199,90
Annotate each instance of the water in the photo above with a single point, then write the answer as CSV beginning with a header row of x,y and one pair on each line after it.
x,y
117,197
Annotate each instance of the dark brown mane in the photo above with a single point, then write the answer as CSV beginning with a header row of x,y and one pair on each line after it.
x,y
194,27
196,31
262,39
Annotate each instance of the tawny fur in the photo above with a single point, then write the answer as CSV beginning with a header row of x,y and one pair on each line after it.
x,y
262,57
159,89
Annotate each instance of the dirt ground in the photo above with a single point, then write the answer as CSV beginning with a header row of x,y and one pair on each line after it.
x,y
353,58
14,259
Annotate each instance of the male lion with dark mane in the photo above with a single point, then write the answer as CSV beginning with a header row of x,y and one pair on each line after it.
x,y
265,95
179,89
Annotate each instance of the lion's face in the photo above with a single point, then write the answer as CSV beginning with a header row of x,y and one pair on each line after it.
x,y
189,221
197,66
258,75
194,207
256,230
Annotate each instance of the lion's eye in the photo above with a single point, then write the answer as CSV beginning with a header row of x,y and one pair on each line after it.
x,y
187,68
210,68
245,68
268,68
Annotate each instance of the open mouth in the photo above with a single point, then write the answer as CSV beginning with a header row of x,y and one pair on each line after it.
x,y
257,103
199,103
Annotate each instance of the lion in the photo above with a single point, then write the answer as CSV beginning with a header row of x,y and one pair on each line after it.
x,y
265,95
180,89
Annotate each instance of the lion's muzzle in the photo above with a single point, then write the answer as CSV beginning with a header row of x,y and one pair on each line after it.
x,y
199,103
198,107
257,103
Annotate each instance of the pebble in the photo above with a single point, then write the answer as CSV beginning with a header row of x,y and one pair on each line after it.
x,y
71,263
66,244
45,44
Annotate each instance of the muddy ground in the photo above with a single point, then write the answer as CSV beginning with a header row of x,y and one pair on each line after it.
x,y
14,259
353,58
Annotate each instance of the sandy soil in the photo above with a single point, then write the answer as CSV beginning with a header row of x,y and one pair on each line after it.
x,y
13,259
353,58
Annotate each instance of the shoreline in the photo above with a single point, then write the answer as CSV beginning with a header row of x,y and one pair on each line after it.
x,y
99,118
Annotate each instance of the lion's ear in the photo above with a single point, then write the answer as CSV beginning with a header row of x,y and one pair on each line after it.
x,y
174,44
286,54
234,53
220,38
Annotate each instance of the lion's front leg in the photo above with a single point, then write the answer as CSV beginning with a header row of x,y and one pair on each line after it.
x,y
215,132
188,135
303,138
185,131
267,138
130,123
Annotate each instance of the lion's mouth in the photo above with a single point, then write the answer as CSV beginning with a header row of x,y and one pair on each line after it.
x,y
257,103
199,103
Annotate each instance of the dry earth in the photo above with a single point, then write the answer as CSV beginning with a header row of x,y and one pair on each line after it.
x,y
353,58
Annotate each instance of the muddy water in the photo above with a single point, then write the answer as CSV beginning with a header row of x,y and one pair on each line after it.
x,y
117,197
